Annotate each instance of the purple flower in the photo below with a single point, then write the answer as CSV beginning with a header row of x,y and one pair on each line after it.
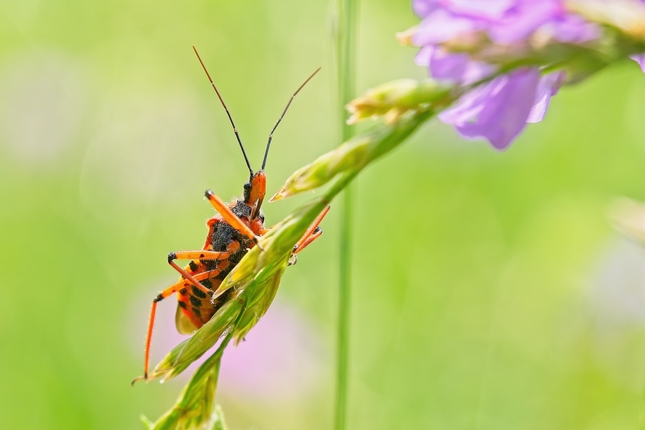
x,y
452,67
281,360
503,21
485,111
497,110
640,59
500,109
547,87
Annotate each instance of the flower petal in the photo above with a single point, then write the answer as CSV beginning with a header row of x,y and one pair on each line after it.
x,y
460,68
482,9
547,87
573,29
524,19
423,56
441,26
424,8
499,111
640,59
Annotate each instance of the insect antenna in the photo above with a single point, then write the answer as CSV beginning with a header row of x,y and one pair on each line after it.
x,y
266,152
237,135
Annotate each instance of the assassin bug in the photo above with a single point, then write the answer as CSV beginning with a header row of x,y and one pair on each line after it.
x,y
230,235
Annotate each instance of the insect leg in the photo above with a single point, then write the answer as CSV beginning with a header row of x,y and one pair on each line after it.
x,y
312,233
194,255
231,218
198,255
303,244
153,310
211,223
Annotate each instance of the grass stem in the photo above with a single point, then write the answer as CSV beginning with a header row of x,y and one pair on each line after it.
x,y
347,25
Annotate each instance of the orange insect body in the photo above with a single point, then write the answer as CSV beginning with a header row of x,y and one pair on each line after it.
x,y
231,234
194,307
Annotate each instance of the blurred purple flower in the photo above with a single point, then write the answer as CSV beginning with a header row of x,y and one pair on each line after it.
x,y
503,21
454,67
484,111
497,110
500,109
281,360
547,87
640,59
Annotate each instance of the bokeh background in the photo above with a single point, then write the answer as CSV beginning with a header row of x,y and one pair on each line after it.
x,y
490,290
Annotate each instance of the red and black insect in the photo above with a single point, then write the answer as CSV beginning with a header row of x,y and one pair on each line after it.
x,y
231,233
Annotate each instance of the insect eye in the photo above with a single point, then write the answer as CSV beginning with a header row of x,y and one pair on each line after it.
x,y
247,191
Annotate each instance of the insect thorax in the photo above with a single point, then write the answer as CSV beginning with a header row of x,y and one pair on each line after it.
x,y
224,234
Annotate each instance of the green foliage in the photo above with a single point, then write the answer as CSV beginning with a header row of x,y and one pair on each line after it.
x,y
195,408
393,99
353,156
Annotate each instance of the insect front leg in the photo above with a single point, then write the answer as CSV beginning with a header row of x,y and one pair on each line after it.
x,y
313,232
231,218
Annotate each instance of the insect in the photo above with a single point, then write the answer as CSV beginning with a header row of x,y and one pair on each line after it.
x,y
231,233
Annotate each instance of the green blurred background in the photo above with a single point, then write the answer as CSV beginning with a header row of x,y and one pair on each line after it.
x,y
490,291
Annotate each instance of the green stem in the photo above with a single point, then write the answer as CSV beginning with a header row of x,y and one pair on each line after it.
x,y
344,309
346,82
